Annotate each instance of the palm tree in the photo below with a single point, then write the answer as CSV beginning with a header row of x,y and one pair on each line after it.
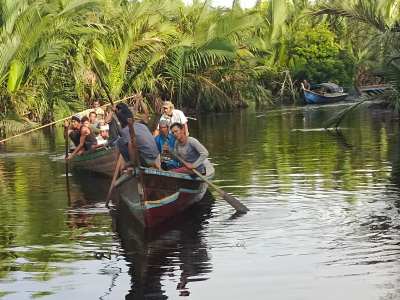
x,y
206,67
36,39
379,19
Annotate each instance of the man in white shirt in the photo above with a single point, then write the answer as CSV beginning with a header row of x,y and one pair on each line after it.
x,y
172,115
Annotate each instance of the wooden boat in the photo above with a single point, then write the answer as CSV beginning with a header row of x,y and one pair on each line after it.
x,y
101,160
152,252
324,93
373,90
153,196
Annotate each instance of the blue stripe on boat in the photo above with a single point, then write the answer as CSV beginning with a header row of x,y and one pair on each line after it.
x,y
168,199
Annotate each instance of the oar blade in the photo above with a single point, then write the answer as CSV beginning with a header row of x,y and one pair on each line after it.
x,y
235,203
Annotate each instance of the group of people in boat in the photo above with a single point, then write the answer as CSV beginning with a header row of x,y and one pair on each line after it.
x,y
169,147
89,131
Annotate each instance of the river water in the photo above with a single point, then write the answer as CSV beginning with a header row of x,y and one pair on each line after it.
x,y
323,222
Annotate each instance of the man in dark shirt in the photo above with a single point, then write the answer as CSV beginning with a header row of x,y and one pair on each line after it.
x,y
146,145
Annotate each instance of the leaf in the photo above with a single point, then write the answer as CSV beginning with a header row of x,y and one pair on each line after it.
x,y
17,70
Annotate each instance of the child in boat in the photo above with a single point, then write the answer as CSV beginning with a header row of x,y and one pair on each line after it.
x,y
102,138
165,143
189,150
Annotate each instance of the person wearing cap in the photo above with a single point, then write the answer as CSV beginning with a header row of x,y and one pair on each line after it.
x,y
172,115
102,138
165,143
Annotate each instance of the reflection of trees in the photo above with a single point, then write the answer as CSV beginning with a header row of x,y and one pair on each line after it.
x,y
247,149
85,191
35,217
173,248
88,188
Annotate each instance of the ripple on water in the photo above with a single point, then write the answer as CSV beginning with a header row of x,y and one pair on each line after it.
x,y
324,216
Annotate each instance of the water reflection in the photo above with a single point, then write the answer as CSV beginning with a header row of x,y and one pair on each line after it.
x,y
176,250
324,217
88,188
42,234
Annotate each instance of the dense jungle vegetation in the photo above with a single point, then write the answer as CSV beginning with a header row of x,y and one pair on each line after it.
x,y
57,56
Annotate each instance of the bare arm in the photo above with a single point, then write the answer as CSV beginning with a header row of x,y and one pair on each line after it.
x,y
84,133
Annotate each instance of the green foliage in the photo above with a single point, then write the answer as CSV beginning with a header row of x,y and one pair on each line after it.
x,y
315,55
372,30
57,56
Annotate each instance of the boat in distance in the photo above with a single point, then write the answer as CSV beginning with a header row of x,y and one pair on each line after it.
x,y
323,93
374,90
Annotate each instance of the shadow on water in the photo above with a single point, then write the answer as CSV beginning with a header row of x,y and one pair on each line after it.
x,y
86,193
340,138
175,249
88,188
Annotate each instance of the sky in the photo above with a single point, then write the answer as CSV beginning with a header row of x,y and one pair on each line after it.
x,y
228,3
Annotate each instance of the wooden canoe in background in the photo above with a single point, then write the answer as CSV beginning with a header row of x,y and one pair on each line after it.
x,y
101,160
373,90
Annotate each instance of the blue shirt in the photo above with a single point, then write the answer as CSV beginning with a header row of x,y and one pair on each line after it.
x,y
170,140
161,139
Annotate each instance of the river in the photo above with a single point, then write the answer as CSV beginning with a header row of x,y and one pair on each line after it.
x,y
323,222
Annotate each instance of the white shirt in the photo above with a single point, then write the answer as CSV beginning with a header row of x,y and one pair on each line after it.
x,y
101,140
177,117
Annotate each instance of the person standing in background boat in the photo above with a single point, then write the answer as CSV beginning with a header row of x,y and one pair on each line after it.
x,y
165,143
94,123
190,150
98,110
306,85
112,121
172,115
146,145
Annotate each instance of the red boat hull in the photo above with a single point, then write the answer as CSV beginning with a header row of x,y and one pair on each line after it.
x,y
159,195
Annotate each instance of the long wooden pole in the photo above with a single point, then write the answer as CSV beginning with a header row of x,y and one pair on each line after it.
x,y
60,120
115,176
132,152
67,164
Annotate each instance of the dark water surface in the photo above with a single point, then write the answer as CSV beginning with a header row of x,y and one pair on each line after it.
x,y
324,217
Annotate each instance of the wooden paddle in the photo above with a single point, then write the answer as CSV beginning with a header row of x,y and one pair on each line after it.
x,y
115,176
66,163
66,141
235,203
